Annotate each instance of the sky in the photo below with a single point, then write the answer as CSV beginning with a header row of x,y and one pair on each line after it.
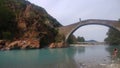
x,y
69,11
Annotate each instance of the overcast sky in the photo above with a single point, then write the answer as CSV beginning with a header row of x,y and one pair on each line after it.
x,y
69,11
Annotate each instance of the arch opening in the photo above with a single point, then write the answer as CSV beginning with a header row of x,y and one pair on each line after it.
x,y
79,26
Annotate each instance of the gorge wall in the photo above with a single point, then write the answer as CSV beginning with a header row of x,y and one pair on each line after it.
x,y
26,26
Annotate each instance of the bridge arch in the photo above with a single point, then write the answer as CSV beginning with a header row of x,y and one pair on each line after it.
x,y
67,37
111,24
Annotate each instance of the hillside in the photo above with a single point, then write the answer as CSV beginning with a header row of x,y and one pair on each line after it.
x,y
24,25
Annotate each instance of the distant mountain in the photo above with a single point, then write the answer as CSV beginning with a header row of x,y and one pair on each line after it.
x,y
91,41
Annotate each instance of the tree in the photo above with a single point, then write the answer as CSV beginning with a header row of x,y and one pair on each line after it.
x,y
80,39
113,37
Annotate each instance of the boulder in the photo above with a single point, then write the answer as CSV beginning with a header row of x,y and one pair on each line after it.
x,y
57,45
52,45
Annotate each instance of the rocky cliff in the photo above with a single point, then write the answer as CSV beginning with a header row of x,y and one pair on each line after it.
x,y
24,25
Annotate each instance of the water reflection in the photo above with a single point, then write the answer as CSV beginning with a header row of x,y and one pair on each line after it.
x,y
44,58
58,58
94,56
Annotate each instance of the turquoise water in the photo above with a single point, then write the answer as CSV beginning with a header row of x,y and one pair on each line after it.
x,y
72,57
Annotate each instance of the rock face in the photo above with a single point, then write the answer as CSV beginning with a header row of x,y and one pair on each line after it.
x,y
26,21
21,44
57,45
2,43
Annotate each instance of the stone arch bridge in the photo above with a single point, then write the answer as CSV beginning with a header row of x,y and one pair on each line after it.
x,y
70,29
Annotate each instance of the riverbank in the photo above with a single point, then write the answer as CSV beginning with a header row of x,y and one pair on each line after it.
x,y
28,44
75,45
19,44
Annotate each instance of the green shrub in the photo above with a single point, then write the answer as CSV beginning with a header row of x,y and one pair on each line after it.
x,y
7,35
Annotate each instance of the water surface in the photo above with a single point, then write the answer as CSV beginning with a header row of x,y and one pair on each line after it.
x,y
91,56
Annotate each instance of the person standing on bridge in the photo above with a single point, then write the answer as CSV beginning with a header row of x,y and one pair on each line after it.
x,y
79,19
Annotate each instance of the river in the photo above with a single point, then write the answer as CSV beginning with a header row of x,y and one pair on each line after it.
x,y
88,56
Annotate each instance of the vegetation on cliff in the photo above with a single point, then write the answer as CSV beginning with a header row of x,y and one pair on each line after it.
x,y
113,37
7,22
21,20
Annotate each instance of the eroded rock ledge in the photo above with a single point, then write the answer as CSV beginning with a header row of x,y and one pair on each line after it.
x,y
27,44
19,44
57,45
